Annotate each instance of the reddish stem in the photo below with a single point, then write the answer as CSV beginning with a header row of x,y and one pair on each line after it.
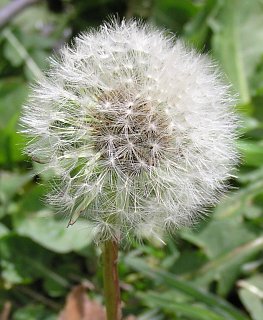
x,y
111,280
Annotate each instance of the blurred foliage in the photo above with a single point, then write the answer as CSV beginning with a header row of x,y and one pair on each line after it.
x,y
214,271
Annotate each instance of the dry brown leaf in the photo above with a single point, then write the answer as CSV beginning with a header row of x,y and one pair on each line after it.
x,y
80,307
5,313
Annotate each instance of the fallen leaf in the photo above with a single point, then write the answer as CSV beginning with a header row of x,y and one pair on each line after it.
x,y
4,315
80,307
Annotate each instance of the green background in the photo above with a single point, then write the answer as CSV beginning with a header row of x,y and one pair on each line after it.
x,y
213,271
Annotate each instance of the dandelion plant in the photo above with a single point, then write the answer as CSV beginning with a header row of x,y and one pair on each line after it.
x,y
139,128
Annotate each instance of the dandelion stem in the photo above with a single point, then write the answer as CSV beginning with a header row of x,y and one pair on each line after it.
x,y
111,280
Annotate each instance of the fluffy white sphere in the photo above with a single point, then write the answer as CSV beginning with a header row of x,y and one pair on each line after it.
x,y
139,128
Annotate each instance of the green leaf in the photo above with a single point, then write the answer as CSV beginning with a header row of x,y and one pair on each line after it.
x,y
151,315
188,261
43,228
54,288
252,152
21,258
251,176
227,267
19,47
237,41
13,92
185,287
12,55
173,13
251,294
239,201
3,230
220,236
195,312
196,30
34,312
23,261
12,183
257,79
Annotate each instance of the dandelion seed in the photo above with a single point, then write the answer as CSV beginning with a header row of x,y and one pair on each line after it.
x,y
140,129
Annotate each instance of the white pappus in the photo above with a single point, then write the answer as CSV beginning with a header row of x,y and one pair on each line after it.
x,y
139,128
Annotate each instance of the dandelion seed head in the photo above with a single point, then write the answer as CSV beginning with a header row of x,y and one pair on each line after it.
x,y
140,129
